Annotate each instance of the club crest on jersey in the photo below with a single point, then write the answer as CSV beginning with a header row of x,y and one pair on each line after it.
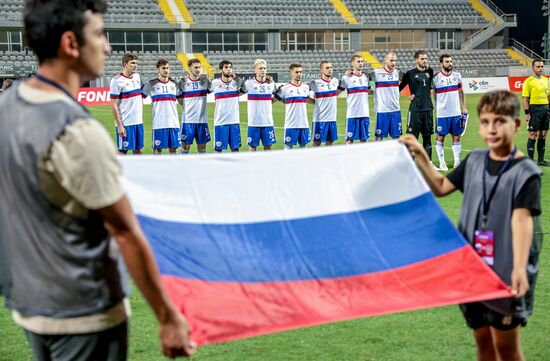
x,y
288,139
218,144
350,134
157,142
125,143
317,136
249,139
439,128
184,137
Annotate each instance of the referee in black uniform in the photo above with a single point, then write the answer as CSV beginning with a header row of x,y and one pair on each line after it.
x,y
419,80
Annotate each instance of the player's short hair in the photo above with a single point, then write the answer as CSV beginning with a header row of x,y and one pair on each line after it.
x,y
323,62
419,52
224,63
443,56
538,60
162,62
193,61
391,52
294,65
260,62
128,57
355,56
46,21
502,102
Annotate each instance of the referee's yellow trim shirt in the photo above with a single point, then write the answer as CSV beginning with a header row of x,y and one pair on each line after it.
x,y
536,89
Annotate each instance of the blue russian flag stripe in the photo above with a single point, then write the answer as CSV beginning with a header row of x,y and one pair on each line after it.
x,y
304,249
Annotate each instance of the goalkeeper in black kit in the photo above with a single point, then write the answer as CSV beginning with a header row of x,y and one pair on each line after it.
x,y
420,80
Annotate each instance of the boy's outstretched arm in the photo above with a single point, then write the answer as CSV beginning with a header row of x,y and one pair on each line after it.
x,y
440,185
522,236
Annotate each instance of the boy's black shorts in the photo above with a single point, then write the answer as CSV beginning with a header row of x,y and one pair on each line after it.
x,y
540,117
478,315
421,122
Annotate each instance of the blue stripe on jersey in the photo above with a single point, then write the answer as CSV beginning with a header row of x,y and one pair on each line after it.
x,y
163,96
289,99
359,88
450,87
202,91
130,92
330,92
392,82
226,94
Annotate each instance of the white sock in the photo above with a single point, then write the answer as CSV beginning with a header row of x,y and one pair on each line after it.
x,y
288,147
457,149
440,152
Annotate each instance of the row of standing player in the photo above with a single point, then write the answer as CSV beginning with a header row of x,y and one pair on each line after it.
x,y
127,91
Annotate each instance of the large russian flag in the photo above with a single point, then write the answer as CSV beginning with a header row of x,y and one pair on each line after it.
x,y
253,243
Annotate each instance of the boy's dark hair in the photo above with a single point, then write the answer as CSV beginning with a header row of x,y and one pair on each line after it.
x,y
537,60
128,57
419,52
193,61
294,65
161,62
500,102
443,56
224,63
46,20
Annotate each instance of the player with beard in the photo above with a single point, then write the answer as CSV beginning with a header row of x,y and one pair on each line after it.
x,y
386,98
325,91
450,109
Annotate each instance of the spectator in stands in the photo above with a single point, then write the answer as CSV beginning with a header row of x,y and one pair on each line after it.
x,y
535,95
62,200
127,106
420,81
6,84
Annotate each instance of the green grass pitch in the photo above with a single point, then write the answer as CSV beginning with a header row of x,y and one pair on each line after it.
x,y
434,334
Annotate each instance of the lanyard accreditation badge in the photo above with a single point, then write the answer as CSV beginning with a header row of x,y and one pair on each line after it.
x,y
484,239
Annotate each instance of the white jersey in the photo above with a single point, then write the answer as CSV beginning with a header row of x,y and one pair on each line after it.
x,y
165,105
128,91
386,93
358,95
325,99
260,110
295,98
227,101
193,94
446,90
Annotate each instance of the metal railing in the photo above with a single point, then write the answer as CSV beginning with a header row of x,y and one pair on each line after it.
x,y
507,20
522,48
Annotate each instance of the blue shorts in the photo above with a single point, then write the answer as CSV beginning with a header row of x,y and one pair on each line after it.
x,y
266,134
389,122
195,131
295,136
358,128
227,135
166,138
452,125
324,131
133,139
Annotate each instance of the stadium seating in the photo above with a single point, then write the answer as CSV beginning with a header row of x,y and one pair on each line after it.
x,y
420,10
119,11
472,59
252,11
22,58
278,61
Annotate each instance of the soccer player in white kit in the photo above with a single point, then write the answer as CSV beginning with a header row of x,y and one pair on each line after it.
x,y
450,109
357,110
325,91
260,113
386,98
226,89
295,95
194,116
163,92
127,106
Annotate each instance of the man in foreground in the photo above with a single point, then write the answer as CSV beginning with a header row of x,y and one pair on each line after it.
x,y
63,200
